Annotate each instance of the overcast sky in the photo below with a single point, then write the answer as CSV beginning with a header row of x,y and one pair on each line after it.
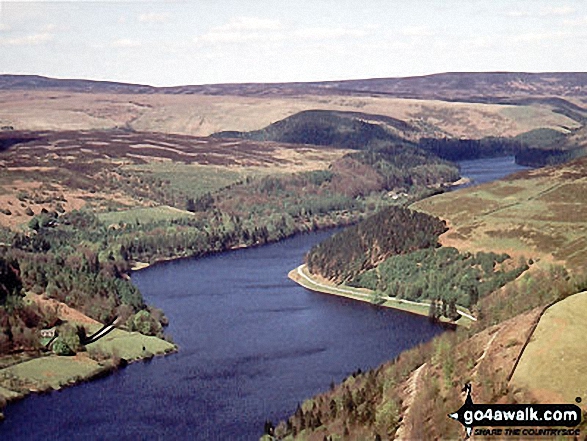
x,y
218,41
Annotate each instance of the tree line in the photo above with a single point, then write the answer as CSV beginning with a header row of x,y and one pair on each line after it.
x,y
393,230
444,276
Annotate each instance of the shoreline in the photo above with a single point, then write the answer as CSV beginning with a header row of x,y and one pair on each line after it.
x,y
50,372
139,266
80,368
304,278
463,180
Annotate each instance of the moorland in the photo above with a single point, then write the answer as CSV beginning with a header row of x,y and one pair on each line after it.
x,y
98,178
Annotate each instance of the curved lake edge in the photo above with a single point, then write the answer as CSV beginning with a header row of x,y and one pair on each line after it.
x,y
140,266
81,376
196,257
307,280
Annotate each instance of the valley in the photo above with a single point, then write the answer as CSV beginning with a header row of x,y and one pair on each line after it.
x,y
512,216
99,178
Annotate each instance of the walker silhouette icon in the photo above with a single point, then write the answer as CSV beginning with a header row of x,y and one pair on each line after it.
x,y
459,414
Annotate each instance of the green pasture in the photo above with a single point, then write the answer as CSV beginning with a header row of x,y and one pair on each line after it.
x,y
143,215
192,180
50,371
129,345
553,364
54,371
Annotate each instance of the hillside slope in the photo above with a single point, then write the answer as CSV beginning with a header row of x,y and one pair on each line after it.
x,y
536,214
354,130
458,86
38,103
557,340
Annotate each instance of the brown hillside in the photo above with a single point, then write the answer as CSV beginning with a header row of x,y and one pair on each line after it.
x,y
539,213
202,115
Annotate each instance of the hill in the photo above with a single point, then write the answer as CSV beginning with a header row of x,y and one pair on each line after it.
x,y
454,86
538,213
556,338
79,209
133,197
354,130
535,214
37,82
471,86
459,105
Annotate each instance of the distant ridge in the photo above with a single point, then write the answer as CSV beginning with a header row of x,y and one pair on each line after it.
x,y
37,82
496,87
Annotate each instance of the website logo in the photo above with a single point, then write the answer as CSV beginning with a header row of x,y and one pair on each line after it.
x,y
514,417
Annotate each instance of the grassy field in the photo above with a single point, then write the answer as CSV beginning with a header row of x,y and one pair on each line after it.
x,y
541,213
53,371
129,345
143,214
552,367
192,179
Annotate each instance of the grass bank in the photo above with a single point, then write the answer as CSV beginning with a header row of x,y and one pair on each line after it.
x,y
22,375
303,277
557,342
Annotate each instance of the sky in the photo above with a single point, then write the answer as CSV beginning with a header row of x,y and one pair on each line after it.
x,y
169,43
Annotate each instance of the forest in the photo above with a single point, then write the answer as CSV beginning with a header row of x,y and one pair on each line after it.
x,y
395,253
465,149
66,259
79,259
376,133
393,230
441,274
328,128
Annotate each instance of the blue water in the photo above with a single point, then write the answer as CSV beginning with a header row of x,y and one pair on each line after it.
x,y
480,171
252,345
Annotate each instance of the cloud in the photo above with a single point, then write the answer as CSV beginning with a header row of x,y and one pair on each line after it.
x,y
49,28
249,24
254,29
216,37
154,17
518,13
557,10
5,27
417,31
243,30
125,43
580,21
27,40
480,42
539,36
551,11
329,33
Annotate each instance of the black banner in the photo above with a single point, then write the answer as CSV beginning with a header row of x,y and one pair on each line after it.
x,y
515,415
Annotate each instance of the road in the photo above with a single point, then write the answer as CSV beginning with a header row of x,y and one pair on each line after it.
x,y
99,334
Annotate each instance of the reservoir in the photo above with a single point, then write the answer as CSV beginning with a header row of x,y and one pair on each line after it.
x,y
253,345
480,171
